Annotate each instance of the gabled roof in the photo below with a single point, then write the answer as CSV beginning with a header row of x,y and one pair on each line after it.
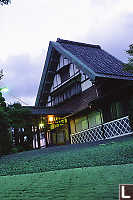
x,y
98,61
91,59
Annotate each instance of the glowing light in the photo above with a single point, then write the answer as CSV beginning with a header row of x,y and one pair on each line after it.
x,y
41,125
4,90
50,118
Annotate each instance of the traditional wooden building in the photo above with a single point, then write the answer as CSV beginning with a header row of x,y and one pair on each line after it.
x,y
84,94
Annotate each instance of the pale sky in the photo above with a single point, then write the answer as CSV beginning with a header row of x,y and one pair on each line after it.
x,y
27,26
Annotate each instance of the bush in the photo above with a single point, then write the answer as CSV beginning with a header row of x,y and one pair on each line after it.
x,y
14,150
20,148
17,149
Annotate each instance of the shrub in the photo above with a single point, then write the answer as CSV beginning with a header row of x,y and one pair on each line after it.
x,y
14,150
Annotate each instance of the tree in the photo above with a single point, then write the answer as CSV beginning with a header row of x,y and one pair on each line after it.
x,y
6,2
21,122
1,74
129,66
36,122
5,143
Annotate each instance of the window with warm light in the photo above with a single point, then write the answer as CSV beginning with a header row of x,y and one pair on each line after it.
x,y
41,125
50,119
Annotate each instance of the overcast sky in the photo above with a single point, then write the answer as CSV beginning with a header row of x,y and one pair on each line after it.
x,y
27,26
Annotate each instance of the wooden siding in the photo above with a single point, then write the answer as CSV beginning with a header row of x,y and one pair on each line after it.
x,y
79,102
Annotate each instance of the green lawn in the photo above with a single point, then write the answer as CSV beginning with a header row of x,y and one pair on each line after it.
x,y
91,183
56,158
67,172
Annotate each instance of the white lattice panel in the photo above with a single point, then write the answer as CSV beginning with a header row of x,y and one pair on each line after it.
x,y
116,128
108,130
88,135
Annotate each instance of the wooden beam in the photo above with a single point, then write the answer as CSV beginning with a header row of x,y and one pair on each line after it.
x,y
48,82
51,72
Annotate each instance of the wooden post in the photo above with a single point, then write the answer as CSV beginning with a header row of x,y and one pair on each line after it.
x,y
34,137
56,137
69,130
16,136
51,138
38,137
46,139
21,137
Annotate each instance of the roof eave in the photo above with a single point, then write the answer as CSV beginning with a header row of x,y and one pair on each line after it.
x,y
44,73
115,77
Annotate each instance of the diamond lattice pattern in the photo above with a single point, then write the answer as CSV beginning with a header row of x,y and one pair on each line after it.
x,y
108,130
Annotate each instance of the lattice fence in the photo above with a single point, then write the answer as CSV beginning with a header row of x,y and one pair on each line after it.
x,y
108,130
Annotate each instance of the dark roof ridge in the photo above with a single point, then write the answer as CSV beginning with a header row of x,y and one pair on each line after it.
x,y
77,43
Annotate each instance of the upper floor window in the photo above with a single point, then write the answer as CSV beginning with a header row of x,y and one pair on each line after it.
x,y
49,102
66,94
73,70
66,61
57,80
85,82
76,70
63,61
84,77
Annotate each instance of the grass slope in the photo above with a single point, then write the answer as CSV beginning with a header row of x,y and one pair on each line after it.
x,y
72,184
67,157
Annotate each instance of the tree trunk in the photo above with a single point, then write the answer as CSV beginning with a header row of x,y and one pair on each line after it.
x,y
38,138
16,136
46,140
21,137
34,137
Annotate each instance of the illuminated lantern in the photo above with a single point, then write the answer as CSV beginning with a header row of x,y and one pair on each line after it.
x,y
50,119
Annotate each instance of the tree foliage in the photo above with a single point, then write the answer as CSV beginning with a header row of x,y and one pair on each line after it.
x,y
1,74
18,118
129,66
6,2
5,143
21,122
